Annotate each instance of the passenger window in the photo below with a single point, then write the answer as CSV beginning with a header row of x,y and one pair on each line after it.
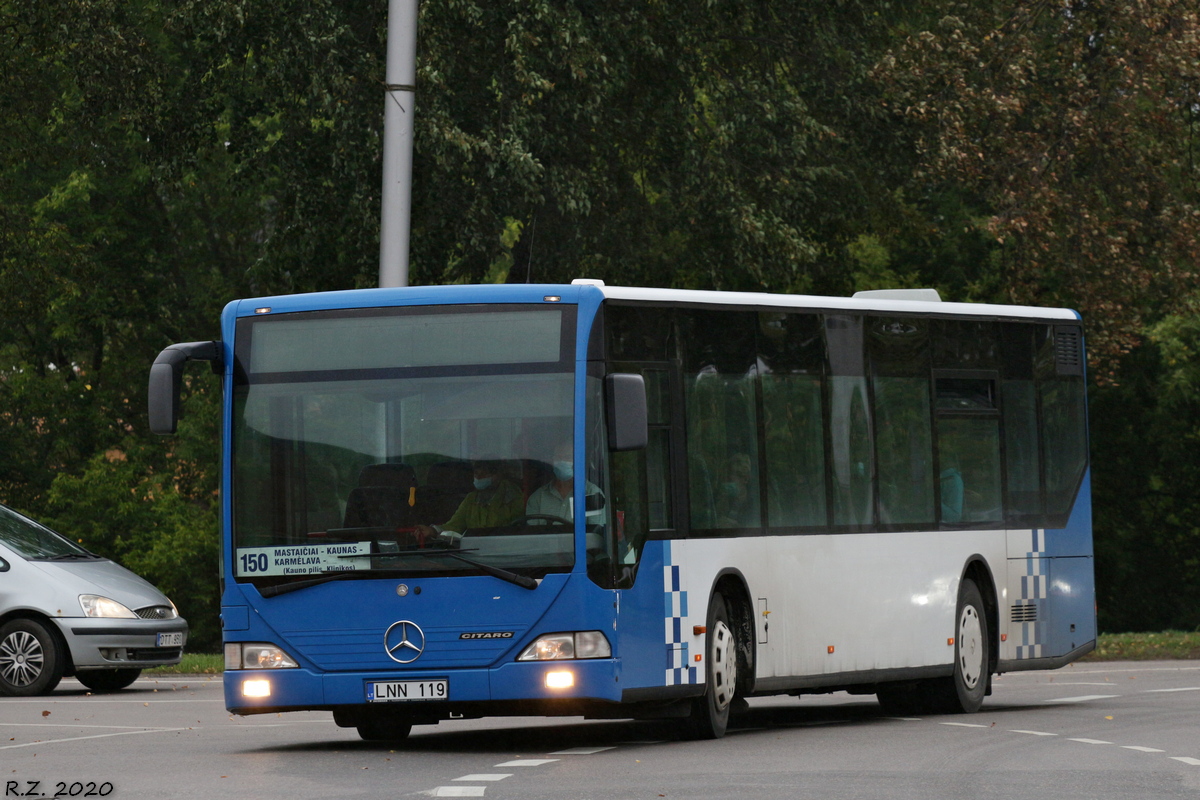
x,y
721,420
795,450
968,428
852,462
792,365
899,352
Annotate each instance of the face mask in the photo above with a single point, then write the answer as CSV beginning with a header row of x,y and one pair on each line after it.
x,y
482,483
564,470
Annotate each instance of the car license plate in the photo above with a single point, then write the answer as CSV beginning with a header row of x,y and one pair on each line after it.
x,y
171,639
407,691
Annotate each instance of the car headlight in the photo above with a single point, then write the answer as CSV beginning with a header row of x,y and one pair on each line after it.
x,y
571,645
257,655
95,605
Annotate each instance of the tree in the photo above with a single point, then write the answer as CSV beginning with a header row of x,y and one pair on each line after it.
x,y
1074,125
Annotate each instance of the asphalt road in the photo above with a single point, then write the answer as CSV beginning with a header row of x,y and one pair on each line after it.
x,y
1111,730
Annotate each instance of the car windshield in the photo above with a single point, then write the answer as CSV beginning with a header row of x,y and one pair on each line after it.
x,y
382,456
34,541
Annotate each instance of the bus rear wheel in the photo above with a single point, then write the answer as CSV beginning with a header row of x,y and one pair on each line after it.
x,y
710,714
963,692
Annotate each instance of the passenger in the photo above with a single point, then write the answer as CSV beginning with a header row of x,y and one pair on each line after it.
x,y
557,498
953,492
738,504
496,501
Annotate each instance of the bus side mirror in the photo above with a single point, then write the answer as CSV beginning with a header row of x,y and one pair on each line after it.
x,y
166,379
627,415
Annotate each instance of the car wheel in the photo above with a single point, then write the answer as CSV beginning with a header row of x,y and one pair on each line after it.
x,y
31,659
107,680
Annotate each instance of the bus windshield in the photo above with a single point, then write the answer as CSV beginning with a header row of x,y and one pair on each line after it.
x,y
402,441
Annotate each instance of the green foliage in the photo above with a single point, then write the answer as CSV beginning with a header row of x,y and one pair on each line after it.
x,y
160,159
153,510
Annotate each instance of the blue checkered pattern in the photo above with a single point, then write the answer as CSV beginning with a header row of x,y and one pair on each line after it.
x,y
1034,586
675,611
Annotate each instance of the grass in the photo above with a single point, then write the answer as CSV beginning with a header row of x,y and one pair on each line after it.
x,y
1165,646
193,664
1146,646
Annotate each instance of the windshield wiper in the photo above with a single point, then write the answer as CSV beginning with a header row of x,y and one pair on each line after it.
x,y
325,577
524,581
70,557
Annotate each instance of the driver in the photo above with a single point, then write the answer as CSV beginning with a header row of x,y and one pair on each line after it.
x,y
496,501
557,498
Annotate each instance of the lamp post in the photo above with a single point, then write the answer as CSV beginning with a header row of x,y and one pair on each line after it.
x,y
399,105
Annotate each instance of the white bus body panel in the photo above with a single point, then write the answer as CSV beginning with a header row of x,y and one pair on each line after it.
x,y
888,604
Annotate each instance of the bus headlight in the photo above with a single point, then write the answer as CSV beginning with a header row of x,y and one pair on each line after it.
x,y
571,645
256,655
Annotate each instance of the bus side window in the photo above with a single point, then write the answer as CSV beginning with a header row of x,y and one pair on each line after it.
x,y
900,362
719,377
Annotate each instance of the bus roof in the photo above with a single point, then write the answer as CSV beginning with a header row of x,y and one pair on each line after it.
x,y
888,302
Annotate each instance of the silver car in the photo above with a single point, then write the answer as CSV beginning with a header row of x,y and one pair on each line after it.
x,y
67,611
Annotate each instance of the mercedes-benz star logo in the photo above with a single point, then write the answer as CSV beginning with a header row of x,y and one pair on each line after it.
x,y
404,642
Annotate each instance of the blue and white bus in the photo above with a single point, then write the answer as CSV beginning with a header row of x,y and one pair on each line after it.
x,y
457,501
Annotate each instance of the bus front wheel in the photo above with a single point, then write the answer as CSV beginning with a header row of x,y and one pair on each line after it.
x,y
710,713
384,729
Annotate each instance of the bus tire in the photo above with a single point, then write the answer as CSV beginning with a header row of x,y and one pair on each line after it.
x,y
384,729
963,692
710,713
107,680
903,699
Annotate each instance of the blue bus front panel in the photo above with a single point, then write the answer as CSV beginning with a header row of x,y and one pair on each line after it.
x,y
473,630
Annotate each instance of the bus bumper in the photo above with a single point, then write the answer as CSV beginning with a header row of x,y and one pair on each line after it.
x,y
538,683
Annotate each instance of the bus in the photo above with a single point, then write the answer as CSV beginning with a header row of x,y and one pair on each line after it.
x,y
449,502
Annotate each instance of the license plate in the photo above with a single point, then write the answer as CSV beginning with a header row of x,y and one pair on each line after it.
x,y
171,639
407,691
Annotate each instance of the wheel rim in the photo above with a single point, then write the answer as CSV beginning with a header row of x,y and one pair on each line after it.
x,y
723,662
970,647
21,658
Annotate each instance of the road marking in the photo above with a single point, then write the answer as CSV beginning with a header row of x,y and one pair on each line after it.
x,y
78,725
1142,749
487,776
459,791
1089,741
964,725
1035,733
1195,762
1183,689
582,751
1083,683
526,762
1131,669
1083,699
95,736
146,699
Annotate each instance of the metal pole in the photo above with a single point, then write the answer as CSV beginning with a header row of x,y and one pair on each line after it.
x,y
398,142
